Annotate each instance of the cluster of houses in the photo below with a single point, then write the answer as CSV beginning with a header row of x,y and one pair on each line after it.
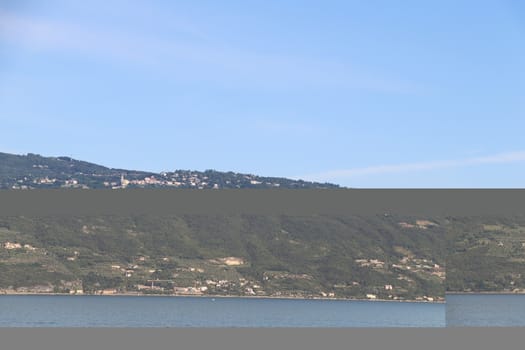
x,y
165,179
421,265
191,180
420,224
374,263
15,245
409,264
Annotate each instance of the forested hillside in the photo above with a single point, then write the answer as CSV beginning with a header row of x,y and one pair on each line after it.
x,y
380,256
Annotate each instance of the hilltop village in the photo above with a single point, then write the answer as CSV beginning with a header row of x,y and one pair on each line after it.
x,y
33,171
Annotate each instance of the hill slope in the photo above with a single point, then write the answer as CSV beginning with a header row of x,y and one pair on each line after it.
x,y
486,254
301,256
35,171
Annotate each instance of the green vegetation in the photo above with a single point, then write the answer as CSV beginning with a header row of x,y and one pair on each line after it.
x,y
486,254
343,256
313,256
34,171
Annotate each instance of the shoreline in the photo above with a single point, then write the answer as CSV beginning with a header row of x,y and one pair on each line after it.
x,y
484,293
222,296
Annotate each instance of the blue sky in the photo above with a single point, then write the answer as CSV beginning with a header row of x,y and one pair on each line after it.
x,y
376,94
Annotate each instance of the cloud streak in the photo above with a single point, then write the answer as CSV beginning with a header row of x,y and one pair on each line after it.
x,y
194,60
501,158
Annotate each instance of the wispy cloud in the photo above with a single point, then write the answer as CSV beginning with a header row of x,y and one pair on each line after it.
x,y
191,59
501,158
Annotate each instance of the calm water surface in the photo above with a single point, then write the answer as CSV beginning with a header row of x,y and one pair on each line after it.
x,y
482,310
129,311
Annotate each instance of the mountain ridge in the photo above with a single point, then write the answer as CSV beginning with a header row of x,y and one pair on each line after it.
x,y
31,171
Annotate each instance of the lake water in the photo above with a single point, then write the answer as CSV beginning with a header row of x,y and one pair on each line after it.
x,y
129,311
477,310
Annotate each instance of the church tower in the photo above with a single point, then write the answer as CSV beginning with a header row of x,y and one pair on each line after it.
x,y
123,181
